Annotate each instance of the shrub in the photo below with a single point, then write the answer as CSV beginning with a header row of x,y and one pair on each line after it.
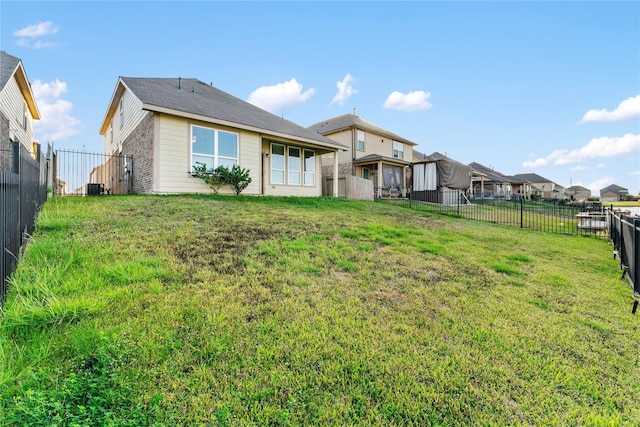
x,y
236,177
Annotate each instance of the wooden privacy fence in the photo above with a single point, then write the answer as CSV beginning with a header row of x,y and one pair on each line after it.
x,y
351,187
23,191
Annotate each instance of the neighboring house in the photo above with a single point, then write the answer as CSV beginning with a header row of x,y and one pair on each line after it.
x,y
489,184
613,193
577,193
168,125
418,156
541,186
18,108
373,153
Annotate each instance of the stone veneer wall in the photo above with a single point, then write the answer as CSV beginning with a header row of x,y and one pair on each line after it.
x,y
343,169
139,145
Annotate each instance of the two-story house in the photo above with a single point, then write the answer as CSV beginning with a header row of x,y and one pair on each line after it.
x,y
613,193
577,193
18,108
372,153
541,186
169,125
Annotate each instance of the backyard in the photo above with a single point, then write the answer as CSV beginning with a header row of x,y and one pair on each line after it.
x,y
214,310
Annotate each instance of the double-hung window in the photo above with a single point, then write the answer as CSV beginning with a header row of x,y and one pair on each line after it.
x,y
360,140
398,150
213,147
292,165
121,112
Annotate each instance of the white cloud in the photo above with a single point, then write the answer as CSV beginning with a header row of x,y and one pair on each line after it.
x,y
345,90
600,166
37,30
29,34
55,122
412,101
627,109
597,148
634,173
598,185
578,168
282,95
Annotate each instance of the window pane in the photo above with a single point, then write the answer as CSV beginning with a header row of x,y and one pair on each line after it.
x,y
202,159
227,144
360,140
294,178
202,140
277,176
277,156
309,179
294,159
226,162
309,161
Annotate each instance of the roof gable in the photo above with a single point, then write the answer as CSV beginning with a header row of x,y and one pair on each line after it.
x,y
192,97
10,66
349,121
613,188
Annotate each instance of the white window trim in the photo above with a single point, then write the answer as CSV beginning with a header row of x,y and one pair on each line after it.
x,y
401,150
303,166
364,136
121,113
300,170
215,155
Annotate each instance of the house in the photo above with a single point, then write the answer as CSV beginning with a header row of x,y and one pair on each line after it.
x,y
373,153
489,184
542,187
18,108
439,179
577,193
613,193
168,125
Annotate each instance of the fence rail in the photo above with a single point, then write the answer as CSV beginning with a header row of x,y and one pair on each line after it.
x,y
23,191
625,237
554,216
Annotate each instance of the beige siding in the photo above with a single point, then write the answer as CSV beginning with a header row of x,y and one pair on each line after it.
x,y
12,105
133,115
345,138
173,161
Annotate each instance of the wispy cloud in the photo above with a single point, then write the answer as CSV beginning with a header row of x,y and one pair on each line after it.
x,y
634,173
597,148
280,96
627,109
29,37
412,101
601,183
345,90
56,122
578,168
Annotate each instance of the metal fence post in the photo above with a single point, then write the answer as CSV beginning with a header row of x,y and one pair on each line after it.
x,y
521,213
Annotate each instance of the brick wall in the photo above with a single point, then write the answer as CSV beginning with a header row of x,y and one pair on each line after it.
x,y
139,145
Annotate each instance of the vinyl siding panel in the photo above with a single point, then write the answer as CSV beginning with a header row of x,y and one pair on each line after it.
x,y
345,138
173,160
12,105
133,115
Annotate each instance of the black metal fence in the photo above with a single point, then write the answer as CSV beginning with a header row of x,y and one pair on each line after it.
x,y
625,236
23,191
80,173
556,216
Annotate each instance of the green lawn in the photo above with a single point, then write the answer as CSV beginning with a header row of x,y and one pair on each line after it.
x,y
212,310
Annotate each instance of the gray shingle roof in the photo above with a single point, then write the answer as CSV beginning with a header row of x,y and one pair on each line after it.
x,y
347,121
490,173
532,177
197,97
615,189
8,64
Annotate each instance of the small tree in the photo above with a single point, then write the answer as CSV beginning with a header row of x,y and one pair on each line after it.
x,y
236,177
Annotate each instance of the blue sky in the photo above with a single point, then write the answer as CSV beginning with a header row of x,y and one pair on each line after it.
x,y
551,88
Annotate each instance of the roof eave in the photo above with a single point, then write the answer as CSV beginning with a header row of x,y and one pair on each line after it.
x,y
25,89
171,111
117,93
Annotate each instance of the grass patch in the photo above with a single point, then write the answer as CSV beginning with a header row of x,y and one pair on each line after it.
x,y
293,311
